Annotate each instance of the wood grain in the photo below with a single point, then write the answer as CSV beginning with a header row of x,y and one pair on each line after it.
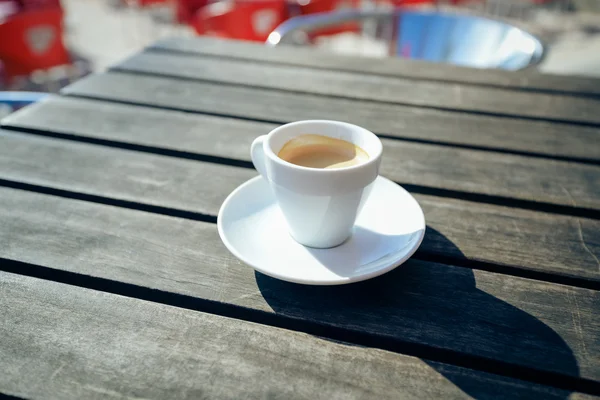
x,y
483,318
361,86
537,241
431,166
522,80
78,343
459,129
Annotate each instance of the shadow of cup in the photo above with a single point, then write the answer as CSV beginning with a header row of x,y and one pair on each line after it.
x,y
423,303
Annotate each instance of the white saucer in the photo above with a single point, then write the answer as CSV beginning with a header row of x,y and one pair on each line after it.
x,y
388,231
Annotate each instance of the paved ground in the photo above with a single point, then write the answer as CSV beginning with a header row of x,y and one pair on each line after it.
x,y
574,43
104,32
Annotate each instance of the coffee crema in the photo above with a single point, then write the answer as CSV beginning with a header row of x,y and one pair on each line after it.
x,y
317,151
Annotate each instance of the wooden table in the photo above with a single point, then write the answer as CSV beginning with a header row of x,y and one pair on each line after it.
x,y
114,282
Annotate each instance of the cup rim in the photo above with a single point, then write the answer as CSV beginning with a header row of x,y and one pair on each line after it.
x,y
271,154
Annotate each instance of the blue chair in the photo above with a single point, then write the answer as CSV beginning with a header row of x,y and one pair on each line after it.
x,y
12,101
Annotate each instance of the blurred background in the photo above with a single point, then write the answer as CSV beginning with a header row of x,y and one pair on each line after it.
x,y
46,44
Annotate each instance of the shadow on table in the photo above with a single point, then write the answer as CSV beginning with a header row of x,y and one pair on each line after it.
x,y
433,304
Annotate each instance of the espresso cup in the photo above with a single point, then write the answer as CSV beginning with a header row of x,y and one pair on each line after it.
x,y
319,205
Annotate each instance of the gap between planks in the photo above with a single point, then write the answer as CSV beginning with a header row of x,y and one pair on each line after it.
x,y
390,67
419,255
11,124
414,377
355,337
567,210
540,137
375,101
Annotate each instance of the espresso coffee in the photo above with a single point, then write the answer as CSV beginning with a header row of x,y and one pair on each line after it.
x,y
317,151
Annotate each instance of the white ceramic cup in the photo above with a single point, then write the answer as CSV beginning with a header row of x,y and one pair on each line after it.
x,y
320,206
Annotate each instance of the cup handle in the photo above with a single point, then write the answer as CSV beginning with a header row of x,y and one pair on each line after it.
x,y
257,152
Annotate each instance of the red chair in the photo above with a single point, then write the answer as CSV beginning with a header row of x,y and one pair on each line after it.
x,y
36,42
144,3
409,3
241,19
186,9
319,6
30,5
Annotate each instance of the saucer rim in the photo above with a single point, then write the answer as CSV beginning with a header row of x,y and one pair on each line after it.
x,y
341,281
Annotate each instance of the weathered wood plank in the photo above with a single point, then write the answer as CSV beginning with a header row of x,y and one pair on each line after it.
x,y
537,137
61,341
474,314
563,245
523,80
432,166
361,86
